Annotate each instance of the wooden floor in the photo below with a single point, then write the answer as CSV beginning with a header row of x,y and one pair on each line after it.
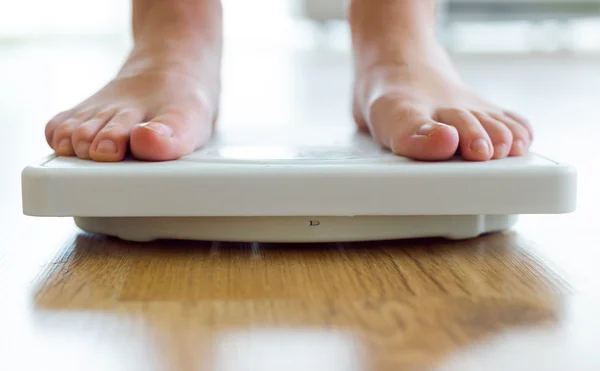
x,y
523,300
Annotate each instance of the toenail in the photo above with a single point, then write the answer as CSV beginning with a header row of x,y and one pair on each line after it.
x,y
160,129
83,149
64,145
480,145
107,146
428,130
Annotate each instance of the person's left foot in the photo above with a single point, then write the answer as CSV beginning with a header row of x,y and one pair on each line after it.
x,y
409,97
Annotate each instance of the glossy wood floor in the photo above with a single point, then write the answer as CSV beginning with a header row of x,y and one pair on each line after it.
x,y
523,300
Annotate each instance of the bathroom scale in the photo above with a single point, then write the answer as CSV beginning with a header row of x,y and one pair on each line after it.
x,y
296,184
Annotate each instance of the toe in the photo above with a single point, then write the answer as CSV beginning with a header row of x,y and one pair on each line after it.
x,y
475,143
521,141
61,140
84,134
53,124
171,135
361,124
425,140
110,144
499,134
521,120
408,130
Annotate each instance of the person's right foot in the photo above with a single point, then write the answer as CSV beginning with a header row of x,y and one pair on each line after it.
x,y
163,103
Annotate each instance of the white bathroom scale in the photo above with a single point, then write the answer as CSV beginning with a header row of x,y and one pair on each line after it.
x,y
299,184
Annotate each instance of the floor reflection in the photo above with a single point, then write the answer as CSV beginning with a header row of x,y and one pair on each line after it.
x,y
406,303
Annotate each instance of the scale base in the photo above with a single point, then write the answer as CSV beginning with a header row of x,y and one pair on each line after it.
x,y
296,229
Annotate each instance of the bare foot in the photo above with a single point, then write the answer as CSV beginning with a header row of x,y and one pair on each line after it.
x,y
163,102
408,95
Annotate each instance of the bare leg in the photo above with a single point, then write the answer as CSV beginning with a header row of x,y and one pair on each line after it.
x,y
409,96
163,102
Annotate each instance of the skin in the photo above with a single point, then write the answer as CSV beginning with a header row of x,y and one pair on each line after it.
x,y
163,103
408,95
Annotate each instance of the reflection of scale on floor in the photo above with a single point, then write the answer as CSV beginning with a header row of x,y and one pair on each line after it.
x,y
296,186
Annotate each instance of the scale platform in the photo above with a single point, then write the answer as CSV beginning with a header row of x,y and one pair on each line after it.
x,y
296,185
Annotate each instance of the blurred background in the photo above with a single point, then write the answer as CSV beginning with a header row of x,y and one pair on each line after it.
x,y
465,25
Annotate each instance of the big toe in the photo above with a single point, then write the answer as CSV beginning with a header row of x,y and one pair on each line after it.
x,y
428,141
409,131
169,136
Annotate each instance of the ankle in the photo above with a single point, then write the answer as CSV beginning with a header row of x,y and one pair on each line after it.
x,y
393,32
178,35
177,20
405,13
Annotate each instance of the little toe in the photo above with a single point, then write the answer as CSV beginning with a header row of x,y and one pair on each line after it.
x,y
521,120
84,134
53,124
475,143
170,135
521,141
61,140
110,144
360,122
409,131
499,134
